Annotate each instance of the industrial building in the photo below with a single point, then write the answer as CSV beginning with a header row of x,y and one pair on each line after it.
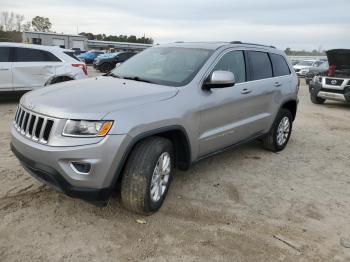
x,y
77,42
54,39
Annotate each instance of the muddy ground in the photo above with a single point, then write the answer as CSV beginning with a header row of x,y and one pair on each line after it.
x,y
243,205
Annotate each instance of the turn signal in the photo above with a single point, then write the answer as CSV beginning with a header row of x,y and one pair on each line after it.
x,y
105,128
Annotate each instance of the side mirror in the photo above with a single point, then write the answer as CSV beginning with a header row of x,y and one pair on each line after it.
x,y
118,65
219,79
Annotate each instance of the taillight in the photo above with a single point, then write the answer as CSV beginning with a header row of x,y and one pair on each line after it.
x,y
82,66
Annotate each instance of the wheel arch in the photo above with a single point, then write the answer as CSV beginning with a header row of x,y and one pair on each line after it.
x,y
176,134
53,79
291,105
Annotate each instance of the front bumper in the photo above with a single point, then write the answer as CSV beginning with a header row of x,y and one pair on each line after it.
x,y
52,165
328,93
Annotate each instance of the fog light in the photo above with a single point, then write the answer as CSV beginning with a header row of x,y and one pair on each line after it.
x,y
81,167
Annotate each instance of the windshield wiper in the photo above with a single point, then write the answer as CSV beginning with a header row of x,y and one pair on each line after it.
x,y
136,78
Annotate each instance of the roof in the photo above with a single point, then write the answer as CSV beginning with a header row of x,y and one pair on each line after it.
x,y
53,34
117,43
215,45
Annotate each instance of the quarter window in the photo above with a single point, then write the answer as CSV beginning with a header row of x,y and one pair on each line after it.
x,y
234,62
260,65
34,55
5,54
280,66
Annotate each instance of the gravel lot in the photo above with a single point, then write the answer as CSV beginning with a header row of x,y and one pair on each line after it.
x,y
243,205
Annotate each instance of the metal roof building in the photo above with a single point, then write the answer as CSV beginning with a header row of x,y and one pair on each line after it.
x,y
96,44
69,41
53,39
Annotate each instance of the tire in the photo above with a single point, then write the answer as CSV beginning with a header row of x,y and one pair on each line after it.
x,y
106,67
316,100
271,141
140,172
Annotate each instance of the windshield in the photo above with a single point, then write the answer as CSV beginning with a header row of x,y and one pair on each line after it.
x,y
306,63
173,66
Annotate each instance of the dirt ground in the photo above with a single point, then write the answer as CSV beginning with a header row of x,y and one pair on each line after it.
x,y
243,205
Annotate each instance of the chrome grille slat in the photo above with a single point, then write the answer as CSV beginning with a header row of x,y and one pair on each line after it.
x,y
20,121
33,126
43,126
16,115
28,124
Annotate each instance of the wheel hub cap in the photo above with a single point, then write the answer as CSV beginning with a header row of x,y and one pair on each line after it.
x,y
283,131
160,176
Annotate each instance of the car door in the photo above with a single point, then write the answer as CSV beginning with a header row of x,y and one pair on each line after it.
x,y
224,111
265,92
232,115
5,69
32,68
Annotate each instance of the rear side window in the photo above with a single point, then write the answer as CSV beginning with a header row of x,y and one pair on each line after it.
x,y
279,65
5,54
234,62
34,55
260,65
72,55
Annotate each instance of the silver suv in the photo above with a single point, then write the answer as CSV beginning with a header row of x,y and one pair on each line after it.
x,y
167,107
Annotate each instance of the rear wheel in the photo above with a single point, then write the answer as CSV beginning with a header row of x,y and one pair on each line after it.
x,y
278,137
147,175
316,100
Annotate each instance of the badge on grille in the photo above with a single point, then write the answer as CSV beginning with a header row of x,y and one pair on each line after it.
x,y
30,106
334,82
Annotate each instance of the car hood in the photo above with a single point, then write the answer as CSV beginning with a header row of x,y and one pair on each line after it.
x,y
93,98
339,57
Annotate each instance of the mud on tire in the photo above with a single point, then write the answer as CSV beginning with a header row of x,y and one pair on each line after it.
x,y
138,173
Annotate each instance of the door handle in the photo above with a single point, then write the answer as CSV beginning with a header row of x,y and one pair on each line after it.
x,y
277,84
246,91
4,69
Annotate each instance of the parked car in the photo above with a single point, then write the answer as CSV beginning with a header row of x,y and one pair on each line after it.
x,y
295,62
78,51
107,63
333,84
167,107
26,67
89,57
315,71
303,66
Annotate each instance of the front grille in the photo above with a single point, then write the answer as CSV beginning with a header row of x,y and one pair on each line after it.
x,y
334,82
297,70
33,126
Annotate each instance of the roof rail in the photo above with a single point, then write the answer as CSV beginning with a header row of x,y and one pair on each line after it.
x,y
239,42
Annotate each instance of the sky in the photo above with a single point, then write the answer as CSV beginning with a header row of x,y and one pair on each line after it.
x,y
298,24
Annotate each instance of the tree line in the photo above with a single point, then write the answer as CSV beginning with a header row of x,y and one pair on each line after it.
x,y
120,38
314,52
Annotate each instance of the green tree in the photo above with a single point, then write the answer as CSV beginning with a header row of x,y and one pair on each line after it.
x,y
41,24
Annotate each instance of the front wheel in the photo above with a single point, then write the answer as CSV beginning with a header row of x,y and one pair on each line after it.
x,y
278,137
316,100
147,175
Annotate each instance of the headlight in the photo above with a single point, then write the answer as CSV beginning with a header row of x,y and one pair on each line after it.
x,y
317,79
86,128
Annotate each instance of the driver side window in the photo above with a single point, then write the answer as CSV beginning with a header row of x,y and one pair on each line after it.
x,y
234,62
